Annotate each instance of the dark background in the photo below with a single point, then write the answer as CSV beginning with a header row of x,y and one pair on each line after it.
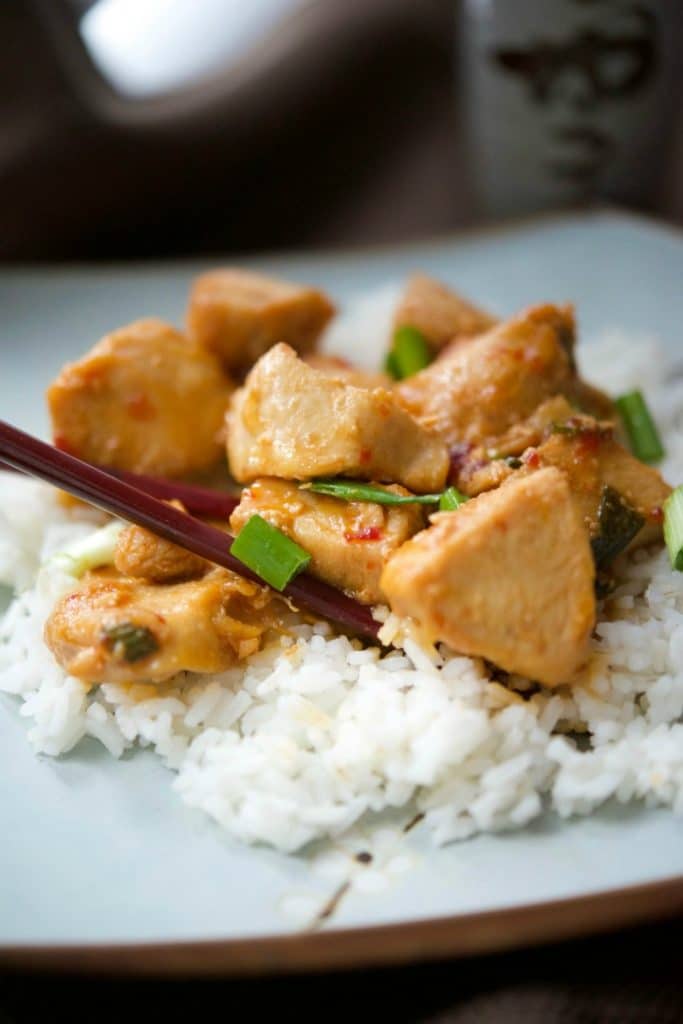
x,y
343,130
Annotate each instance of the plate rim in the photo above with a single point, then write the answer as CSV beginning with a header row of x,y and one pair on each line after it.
x,y
364,946
329,254
342,949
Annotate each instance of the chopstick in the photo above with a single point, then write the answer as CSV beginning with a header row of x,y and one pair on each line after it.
x,y
199,501
120,498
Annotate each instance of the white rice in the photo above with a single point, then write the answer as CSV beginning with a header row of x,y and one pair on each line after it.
x,y
315,732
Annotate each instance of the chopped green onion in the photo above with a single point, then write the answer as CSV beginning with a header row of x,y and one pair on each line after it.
x,y
355,490
618,524
269,552
673,527
391,366
89,552
130,642
409,353
640,427
451,499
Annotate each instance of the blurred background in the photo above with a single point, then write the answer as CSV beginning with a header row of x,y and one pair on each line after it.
x,y
150,128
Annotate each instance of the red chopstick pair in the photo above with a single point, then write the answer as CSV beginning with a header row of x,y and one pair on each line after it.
x,y
136,498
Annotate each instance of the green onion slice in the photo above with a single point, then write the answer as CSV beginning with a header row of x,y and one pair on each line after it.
x,y
640,427
409,353
89,552
391,366
130,642
269,553
673,527
451,499
356,490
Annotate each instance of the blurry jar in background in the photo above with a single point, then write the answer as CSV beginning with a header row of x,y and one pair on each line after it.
x,y
566,101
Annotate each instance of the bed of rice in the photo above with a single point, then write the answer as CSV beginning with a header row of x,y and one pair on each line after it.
x,y
316,731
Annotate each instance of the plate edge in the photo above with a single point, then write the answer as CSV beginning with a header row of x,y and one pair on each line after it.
x,y
464,935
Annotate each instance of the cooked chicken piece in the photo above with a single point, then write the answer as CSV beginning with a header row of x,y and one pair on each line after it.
x,y
508,577
349,542
145,399
478,468
532,430
438,313
240,315
585,450
116,629
342,369
585,397
477,391
592,400
144,555
591,460
294,422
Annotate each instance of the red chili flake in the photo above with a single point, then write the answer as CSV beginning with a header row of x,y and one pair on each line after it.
x,y
64,446
139,407
366,533
531,458
656,514
588,442
365,456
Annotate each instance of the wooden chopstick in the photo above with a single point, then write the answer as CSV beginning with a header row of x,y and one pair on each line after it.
x,y
199,501
118,497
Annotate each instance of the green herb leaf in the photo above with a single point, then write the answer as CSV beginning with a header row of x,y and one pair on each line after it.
x,y
356,490
409,353
618,524
673,527
130,642
451,499
269,552
640,427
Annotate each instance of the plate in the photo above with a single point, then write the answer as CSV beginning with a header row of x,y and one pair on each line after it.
x,y
102,868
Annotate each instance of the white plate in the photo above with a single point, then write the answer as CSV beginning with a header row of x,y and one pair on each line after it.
x,y
97,855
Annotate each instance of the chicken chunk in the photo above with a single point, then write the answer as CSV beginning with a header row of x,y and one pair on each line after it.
x,y
116,629
144,555
294,422
587,453
477,391
508,577
342,369
349,542
478,468
145,399
439,313
591,460
239,315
